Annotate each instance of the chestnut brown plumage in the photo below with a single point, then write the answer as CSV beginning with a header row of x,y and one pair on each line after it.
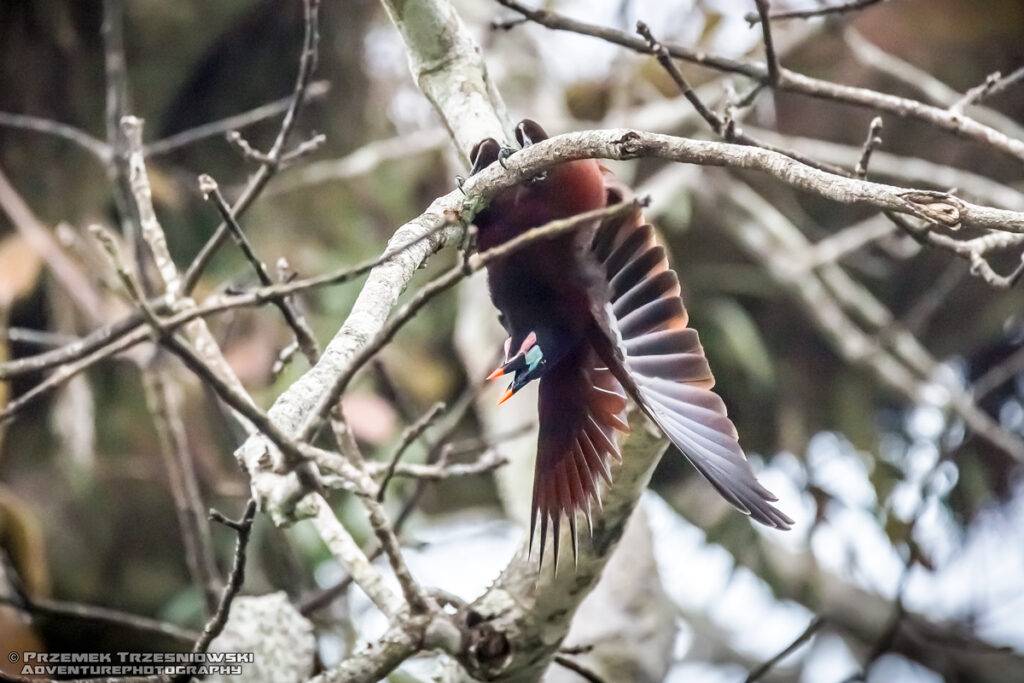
x,y
596,316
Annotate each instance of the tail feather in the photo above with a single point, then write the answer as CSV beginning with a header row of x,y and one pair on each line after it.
x,y
582,406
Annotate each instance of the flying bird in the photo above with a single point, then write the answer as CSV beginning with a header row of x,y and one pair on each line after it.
x,y
596,316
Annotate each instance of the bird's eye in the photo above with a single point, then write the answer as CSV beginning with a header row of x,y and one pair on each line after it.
x,y
484,154
529,132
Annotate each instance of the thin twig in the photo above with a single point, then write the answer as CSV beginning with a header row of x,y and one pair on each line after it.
x,y
116,76
684,86
142,192
130,324
67,272
110,341
727,130
769,44
240,402
852,6
873,140
993,84
362,160
1003,83
409,436
104,615
26,335
834,248
577,668
303,334
354,561
94,146
259,180
213,627
789,81
435,458
488,461
935,91
163,402
998,374
808,633
170,143
894,356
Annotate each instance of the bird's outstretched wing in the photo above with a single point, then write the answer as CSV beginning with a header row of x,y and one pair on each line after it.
x,y
581,407
643,337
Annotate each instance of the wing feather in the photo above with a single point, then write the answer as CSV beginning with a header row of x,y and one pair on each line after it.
x,y
660,361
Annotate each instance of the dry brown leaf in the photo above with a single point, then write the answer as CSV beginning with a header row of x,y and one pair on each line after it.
x,y
19,269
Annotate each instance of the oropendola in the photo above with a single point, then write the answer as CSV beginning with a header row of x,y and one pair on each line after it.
x,y
596,316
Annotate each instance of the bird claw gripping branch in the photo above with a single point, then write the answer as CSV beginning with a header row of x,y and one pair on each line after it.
x,y
596,316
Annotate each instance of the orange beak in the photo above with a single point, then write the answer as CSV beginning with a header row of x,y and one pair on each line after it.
x,y
498,372
507,396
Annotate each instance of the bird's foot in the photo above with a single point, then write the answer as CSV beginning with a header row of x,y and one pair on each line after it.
x,y
504,153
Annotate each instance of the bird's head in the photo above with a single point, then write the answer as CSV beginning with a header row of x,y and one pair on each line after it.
x,y
528,364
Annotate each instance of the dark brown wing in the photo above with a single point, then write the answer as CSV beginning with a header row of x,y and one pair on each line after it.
x,y
581,407
661,363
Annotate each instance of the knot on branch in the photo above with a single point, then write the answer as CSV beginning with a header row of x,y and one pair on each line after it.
x,y
936,207
629,143
283,496
487,649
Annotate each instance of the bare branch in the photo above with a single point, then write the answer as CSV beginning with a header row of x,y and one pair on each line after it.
x,y
258,181
873,140
94,146
163,401
769,45
851,6
354,561
460,90
994,83
152,233
727,130
487,462
807,634
373,664
906,170
934,91
131,324
71,277
409,436
1002,84
243,527
577,668
429,231
790,81
893,355
303,334
684,86
62,609
361,161
315,91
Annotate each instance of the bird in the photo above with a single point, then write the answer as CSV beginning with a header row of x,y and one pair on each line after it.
x,y
596,316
